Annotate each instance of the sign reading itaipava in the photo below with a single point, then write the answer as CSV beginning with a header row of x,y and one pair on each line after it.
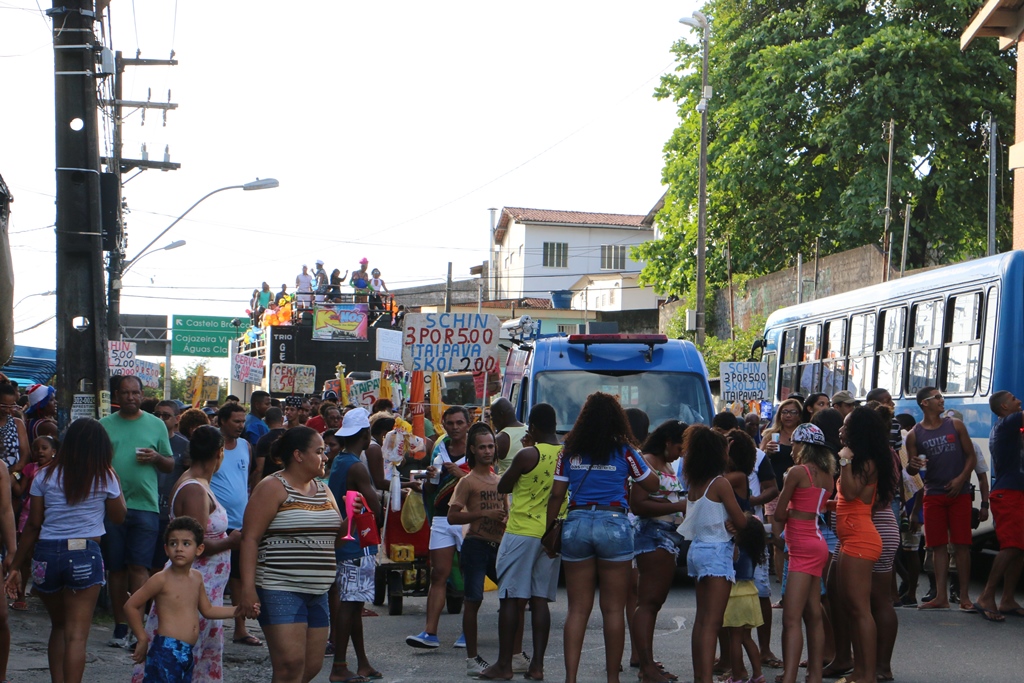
x,y
743,381
451,342
342,322
202,335
292,379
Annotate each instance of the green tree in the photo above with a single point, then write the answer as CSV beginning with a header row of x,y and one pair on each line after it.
x,y
802,90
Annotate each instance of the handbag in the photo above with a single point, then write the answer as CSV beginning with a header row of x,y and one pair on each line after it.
x,y
366,529
551,541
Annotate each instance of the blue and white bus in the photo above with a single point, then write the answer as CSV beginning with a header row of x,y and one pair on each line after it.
x,y
959,328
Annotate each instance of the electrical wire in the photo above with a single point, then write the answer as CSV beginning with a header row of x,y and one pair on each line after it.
x,y
41,322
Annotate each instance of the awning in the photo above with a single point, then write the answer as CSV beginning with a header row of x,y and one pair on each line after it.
x,y
31,365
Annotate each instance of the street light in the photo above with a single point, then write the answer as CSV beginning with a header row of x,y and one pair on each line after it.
x,y
173,245
700,21
114,290
29,296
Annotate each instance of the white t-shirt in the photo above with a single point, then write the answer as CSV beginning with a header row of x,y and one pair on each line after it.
x,y
304,282
81,520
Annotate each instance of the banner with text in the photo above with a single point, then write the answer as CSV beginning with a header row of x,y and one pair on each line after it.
x,y
365,393
451,342
248,369
292,379
743,381
120,354
341,322
147,372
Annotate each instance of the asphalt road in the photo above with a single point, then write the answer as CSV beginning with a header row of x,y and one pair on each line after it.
x,y
933,647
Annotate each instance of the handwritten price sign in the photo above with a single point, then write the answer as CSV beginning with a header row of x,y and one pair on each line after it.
x,y
292,379
451,342
743,381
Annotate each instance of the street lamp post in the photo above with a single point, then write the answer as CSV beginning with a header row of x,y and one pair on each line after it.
x,y
114,290
700,21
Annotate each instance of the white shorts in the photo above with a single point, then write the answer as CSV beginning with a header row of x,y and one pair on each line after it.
x,y
445,535
524,570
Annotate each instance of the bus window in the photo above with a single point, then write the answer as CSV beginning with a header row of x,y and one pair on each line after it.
x,y
833,373
989,338
769,358
790,356
862,354
810,370
924,352
890,353
963,345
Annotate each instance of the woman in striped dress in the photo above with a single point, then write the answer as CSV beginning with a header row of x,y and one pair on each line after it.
x,y
288,536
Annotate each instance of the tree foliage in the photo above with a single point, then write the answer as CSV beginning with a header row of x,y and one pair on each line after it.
x,y
802,90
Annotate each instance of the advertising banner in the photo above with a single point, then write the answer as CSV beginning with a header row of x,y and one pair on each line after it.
x,y
743,381
340,322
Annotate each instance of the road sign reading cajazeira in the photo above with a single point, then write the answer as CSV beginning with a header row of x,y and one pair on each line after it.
x,y
201,335
451,342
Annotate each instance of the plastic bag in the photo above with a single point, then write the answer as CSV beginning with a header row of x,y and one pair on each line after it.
x,y
398,444
413,513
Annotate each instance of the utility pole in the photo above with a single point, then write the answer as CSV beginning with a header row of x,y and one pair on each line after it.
x,y
448,291
993,138
887,133
81,315
116,166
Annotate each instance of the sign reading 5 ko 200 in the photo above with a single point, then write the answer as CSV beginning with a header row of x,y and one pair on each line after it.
x,y
451,342
202,335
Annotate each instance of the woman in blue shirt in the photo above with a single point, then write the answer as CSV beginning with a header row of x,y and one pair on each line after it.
x,y
595,466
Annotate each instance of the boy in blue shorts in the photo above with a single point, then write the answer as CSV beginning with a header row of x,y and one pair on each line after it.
x,y
180,596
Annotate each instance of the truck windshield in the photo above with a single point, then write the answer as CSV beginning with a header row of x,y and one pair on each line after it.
x,y
662,395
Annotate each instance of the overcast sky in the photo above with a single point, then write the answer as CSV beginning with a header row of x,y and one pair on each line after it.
x,y
391,126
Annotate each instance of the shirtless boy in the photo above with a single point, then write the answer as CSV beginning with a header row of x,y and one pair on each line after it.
x,y
180,597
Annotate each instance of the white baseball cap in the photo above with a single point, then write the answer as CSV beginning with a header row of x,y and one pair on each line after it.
x,y
355,420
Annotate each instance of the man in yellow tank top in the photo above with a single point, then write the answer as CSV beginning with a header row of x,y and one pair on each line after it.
x,y
525,572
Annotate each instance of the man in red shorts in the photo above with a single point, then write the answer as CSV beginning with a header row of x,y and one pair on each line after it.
x,y
942,448
1007,498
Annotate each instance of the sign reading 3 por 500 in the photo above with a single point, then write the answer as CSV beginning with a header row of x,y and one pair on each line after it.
x,y
451,342
202,335
743,381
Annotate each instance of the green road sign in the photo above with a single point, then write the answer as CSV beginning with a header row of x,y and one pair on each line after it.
x,y
202,335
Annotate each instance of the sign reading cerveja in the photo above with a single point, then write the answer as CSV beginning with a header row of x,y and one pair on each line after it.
x,y
201,335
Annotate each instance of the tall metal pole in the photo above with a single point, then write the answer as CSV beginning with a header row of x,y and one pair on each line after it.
x,y
116,258
992,138
702,205
907,208
81,313
889,129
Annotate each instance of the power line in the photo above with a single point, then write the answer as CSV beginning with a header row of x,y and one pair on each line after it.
x,y
41,322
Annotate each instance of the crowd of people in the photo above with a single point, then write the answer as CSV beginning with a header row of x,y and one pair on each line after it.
x,y
317,287
179,513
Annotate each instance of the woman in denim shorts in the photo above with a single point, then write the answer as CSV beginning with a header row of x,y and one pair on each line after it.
x,y
597,539
70,497
655,540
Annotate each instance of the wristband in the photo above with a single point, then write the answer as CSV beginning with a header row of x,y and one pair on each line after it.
x,y
984,506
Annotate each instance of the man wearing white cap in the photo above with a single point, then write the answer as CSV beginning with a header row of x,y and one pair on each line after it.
x,y
356,564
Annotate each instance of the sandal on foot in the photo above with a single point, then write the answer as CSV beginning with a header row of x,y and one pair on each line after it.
x,y
248,639
988,614
772,662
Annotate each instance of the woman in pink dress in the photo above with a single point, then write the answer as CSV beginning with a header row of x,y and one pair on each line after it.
x,y
192,497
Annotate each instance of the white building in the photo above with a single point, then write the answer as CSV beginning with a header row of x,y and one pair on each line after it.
x,y
608,292
537,251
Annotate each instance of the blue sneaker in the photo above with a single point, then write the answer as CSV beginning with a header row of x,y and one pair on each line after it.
x,y
423,640
461,642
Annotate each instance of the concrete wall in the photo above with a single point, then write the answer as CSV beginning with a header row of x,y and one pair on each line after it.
x,y
762,296
463,292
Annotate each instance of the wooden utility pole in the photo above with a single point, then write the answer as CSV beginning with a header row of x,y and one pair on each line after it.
x,y
81,314
117,165
448,290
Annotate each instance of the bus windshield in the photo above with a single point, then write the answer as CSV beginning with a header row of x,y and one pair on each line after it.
x,y
662,395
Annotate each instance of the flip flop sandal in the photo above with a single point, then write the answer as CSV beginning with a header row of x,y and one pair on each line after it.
x,y
1019,612
772,663
250,640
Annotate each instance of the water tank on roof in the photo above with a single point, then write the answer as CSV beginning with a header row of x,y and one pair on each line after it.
x,y
561,298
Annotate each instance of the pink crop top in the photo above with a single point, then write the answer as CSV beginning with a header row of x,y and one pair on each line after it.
x,y
810,499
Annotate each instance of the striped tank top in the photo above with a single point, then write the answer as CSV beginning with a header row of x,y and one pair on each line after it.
x,y
296,552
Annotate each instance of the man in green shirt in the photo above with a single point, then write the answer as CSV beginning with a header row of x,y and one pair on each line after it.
x,y
141,449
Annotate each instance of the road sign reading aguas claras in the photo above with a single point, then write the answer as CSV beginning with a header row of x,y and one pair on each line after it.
x,y
202,335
